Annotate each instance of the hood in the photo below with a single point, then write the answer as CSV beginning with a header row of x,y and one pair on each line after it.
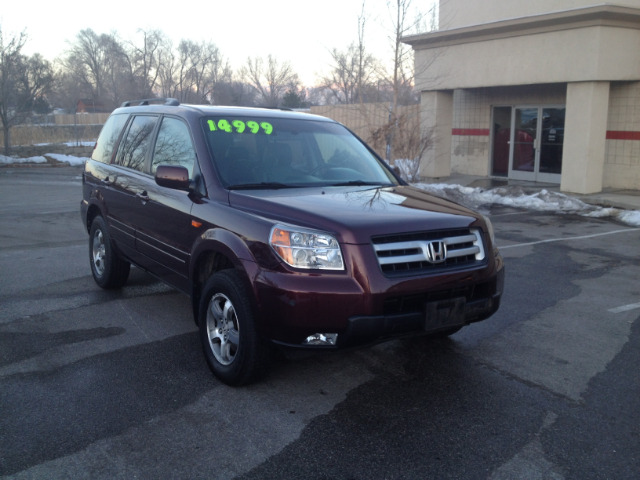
x,y
355,214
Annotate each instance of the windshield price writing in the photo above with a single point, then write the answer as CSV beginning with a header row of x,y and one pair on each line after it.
x,y
239,126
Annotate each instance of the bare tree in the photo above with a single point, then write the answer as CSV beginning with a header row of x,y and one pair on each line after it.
x,y
212,69
410,141
354,72
64,92
101,67
402,66
120,82
23,82
233,92
145,59
270,82
86,61
219,78
167,68
193,58
192,74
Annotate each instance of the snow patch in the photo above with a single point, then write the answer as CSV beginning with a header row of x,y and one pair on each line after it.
x,y
630,217
70,159
515,196
9,160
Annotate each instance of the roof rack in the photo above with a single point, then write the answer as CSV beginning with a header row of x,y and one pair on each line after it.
x,y
148,101
284,109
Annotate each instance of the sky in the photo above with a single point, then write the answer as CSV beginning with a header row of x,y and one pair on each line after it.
x,y
300,32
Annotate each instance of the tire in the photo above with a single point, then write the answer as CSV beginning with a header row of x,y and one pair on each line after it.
x,y
234,350
108,269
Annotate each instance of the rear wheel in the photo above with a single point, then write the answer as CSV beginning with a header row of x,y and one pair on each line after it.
x,y
108,269
232,346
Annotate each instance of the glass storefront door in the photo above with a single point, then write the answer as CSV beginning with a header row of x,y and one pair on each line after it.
x,y
523,142
535,140
501,119
551,141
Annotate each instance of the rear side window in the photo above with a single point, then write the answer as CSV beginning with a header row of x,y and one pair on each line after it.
x,y
108,138
174,146
133,149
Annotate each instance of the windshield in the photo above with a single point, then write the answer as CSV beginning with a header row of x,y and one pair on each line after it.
x,y
284,153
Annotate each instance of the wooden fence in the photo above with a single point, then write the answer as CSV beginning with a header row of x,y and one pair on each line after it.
x,y
80,119
364,119
367,120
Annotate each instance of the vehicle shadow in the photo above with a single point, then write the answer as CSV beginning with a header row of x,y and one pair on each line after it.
x,y
428,410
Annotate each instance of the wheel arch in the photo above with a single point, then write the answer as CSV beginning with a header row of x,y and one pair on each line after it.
x,y
218,250
93,211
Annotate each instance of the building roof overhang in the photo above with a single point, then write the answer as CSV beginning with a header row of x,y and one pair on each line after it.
x,y
598,15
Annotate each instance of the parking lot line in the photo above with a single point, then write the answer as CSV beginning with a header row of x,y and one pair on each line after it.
x,y
564,239
625,308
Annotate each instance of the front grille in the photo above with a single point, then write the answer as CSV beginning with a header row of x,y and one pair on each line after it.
x,y
434,251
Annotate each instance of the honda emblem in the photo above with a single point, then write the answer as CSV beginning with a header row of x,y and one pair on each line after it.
x,y
436,251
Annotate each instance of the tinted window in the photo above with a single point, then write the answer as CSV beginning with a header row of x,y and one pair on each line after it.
x,y
108,138
133,150
173,146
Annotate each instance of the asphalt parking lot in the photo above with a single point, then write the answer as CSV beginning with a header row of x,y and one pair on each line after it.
x,y
109,385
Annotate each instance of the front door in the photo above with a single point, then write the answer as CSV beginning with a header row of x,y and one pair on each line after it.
x,y
166,233
527,143
537,136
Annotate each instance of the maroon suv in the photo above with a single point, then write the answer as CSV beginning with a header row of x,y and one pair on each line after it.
x,y
284,228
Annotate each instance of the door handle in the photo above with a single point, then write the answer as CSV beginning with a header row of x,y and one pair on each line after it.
x,y
143,196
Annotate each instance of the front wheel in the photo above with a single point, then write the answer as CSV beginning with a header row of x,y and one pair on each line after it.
x,y
232,346
108,269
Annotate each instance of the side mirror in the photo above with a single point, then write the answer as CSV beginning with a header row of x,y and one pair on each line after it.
x,y
173,176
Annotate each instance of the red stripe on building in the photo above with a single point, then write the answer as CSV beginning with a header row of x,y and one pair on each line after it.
x,y
611,134
481,132
622,135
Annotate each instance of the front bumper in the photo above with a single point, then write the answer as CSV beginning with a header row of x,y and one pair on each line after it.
x,y
437,316
365,313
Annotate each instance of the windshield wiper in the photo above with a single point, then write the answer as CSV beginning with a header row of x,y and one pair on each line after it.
x,y
260,186
359,183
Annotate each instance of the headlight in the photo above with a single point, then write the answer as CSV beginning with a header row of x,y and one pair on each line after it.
x,y
302,248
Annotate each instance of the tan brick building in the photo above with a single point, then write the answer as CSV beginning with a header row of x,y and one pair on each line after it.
x,y
544,91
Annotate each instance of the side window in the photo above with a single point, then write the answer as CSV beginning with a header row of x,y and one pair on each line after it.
x,y
173,146
133,150
108,137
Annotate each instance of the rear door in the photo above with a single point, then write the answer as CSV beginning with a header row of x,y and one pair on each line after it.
x,y
127,181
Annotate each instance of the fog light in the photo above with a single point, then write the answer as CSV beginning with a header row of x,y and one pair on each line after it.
x,y
327,339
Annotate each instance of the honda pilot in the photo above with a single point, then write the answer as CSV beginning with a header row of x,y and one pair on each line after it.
x,y
284,228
